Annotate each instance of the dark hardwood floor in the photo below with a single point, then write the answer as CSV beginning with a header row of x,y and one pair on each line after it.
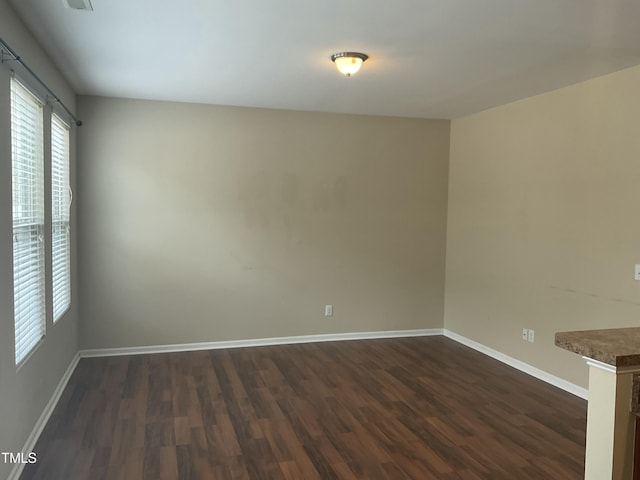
x,y
412,408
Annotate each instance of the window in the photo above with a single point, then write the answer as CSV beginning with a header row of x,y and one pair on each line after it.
x,y
60,206
27,174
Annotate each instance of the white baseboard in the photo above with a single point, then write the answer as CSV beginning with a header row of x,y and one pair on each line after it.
x,y
44,417
519,365
258,342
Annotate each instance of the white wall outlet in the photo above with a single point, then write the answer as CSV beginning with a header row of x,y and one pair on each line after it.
x,y
328,310
525,334
637,272
531,337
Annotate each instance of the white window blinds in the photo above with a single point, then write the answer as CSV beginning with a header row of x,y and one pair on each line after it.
x,y
27,171
60,205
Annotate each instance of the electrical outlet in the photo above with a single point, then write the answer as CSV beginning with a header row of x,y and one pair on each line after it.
x,y
637,272
328,310
525,334
531,337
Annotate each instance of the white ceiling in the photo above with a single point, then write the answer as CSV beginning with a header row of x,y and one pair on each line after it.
x,y
428,58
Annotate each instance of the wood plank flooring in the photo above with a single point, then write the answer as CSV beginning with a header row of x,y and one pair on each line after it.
x,y
411,408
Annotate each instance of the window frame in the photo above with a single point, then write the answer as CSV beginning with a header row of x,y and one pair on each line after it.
x,y
60,217
28,219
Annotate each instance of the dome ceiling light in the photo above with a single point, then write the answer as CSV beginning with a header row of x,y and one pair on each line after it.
x,y
78,5
348,63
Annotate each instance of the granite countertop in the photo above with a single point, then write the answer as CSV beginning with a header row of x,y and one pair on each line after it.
x,y
619,347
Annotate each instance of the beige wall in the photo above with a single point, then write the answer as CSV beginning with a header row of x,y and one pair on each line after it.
x,y
206,223
203,223
24,393
543,225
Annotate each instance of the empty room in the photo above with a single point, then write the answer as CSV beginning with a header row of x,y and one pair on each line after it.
x,y
330,240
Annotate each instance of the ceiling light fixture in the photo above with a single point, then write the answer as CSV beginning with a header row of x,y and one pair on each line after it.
x,y
78,4
348,63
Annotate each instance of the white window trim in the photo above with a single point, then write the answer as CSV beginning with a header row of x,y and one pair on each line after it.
x,y
28,214
60,218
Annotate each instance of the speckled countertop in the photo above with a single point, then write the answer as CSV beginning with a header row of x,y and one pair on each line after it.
x,y
619,347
